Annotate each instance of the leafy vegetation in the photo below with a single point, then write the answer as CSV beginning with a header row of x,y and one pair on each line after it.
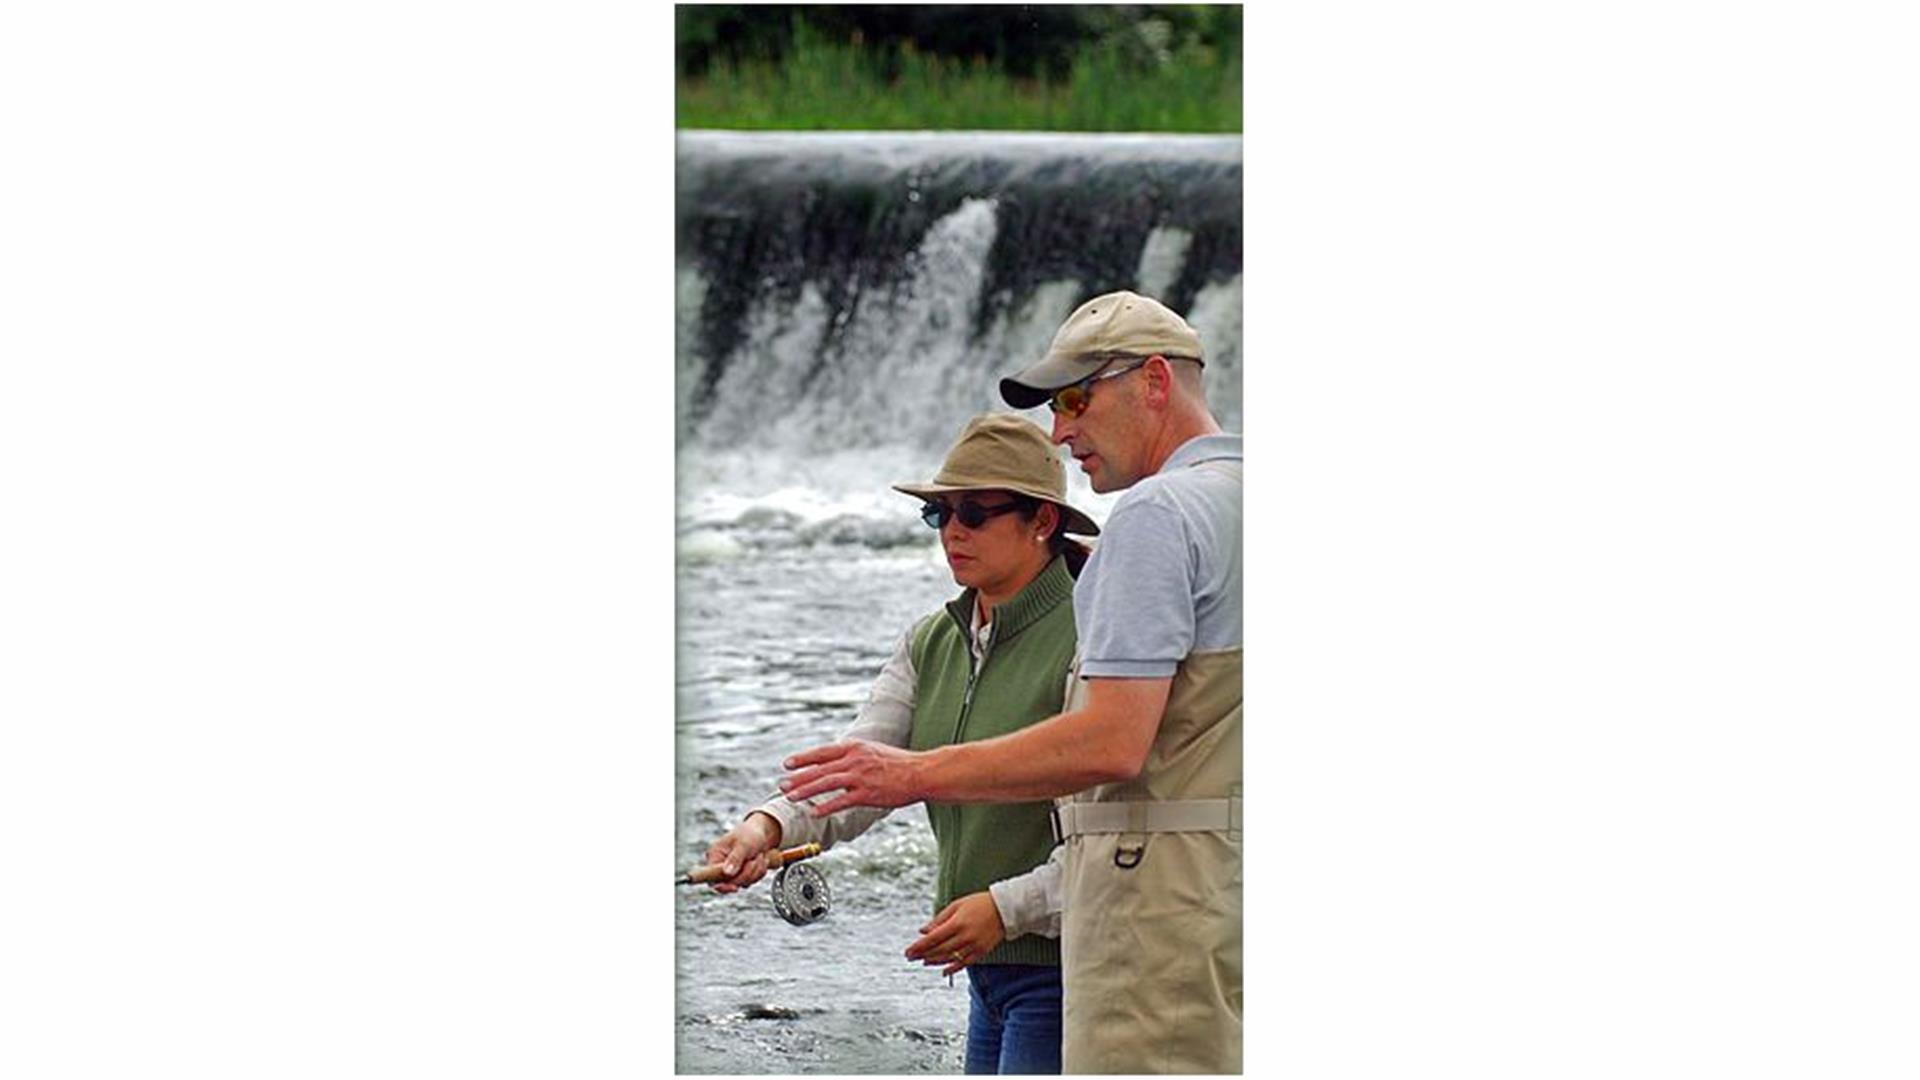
x,y
1146,68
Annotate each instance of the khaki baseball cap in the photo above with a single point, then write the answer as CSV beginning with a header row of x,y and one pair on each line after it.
x,y
1118,324
1002,450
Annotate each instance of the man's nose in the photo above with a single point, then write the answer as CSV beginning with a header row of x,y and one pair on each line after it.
x,y
1062,427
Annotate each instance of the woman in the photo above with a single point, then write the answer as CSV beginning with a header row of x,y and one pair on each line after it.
x,y
993,660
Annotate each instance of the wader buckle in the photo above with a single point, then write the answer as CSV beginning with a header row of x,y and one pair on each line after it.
x,y
1128,858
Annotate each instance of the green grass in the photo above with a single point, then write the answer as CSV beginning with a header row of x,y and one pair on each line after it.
x,y
824,86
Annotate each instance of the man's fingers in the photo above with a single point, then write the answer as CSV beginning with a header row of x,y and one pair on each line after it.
x,y
801,783
813,782
798,778
817,755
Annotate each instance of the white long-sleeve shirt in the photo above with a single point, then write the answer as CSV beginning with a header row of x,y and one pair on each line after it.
x,y
1029,903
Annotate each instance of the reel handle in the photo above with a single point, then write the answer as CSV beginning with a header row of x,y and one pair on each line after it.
x,y
775,860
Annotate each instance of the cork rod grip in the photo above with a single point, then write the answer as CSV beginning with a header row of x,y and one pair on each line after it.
x,y
775,860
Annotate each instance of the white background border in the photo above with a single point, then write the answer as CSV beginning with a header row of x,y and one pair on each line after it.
x,y
335,446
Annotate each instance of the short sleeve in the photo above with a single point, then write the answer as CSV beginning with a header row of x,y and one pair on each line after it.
x,y
1134,603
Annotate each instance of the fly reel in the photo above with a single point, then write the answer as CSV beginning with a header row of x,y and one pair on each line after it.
x,y
800,894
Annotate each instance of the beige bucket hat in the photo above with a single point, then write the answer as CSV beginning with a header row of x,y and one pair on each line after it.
x,y
1117,324
1002,450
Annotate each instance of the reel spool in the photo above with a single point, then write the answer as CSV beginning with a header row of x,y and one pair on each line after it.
x,y
800,894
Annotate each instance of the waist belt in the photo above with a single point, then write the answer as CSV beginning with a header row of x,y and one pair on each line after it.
x,y
1170,815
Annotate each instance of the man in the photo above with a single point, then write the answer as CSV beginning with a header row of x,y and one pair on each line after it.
x,y
1149,743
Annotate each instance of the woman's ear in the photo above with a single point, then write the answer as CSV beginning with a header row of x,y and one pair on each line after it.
x,y
1047,520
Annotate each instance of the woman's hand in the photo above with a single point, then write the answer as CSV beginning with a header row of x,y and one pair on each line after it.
x,y
964,931
743,851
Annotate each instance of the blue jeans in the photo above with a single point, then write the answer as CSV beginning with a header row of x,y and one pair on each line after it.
x,y
1015,1023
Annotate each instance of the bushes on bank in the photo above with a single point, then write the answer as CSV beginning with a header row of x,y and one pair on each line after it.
x,y
1122,69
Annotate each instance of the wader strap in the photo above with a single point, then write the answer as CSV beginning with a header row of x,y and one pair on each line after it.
x,y
1171,815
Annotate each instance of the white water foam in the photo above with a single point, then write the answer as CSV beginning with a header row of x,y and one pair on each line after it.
x,y
908,359
1216,314
892,371
1162,258
801,449
897,151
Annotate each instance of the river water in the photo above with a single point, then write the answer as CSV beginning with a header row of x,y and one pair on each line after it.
x,y
844,305
776,651
788,605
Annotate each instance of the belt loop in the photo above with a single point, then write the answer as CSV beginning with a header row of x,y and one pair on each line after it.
x,y
1053,822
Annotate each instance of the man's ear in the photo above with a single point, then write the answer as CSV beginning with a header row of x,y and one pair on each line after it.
x,y
1159,378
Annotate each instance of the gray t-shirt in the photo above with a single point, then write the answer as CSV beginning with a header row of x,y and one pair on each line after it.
x,y
1164,578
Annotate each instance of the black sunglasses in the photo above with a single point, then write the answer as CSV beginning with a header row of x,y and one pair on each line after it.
x,y
970,513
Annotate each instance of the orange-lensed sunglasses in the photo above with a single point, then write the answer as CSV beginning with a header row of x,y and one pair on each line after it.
x,y
1073,398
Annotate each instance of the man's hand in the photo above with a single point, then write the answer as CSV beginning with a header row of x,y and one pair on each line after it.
x,y
868,774
963,932
743,851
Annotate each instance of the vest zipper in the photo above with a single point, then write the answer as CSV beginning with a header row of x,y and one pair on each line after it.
x,y
974,671
973,679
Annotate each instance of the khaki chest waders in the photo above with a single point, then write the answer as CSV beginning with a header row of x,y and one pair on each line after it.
x,y
1151,934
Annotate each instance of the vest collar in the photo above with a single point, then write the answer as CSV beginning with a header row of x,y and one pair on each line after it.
x,y
1048,588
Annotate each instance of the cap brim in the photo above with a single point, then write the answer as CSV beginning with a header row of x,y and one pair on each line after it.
x,y
1021,396
1034,385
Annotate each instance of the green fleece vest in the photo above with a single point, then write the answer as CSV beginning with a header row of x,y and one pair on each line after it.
x,y
1021,681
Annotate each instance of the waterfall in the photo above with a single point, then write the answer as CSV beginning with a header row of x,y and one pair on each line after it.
x,y
846,301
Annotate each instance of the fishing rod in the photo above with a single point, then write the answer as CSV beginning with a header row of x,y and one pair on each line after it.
x,y
775,860
800,893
